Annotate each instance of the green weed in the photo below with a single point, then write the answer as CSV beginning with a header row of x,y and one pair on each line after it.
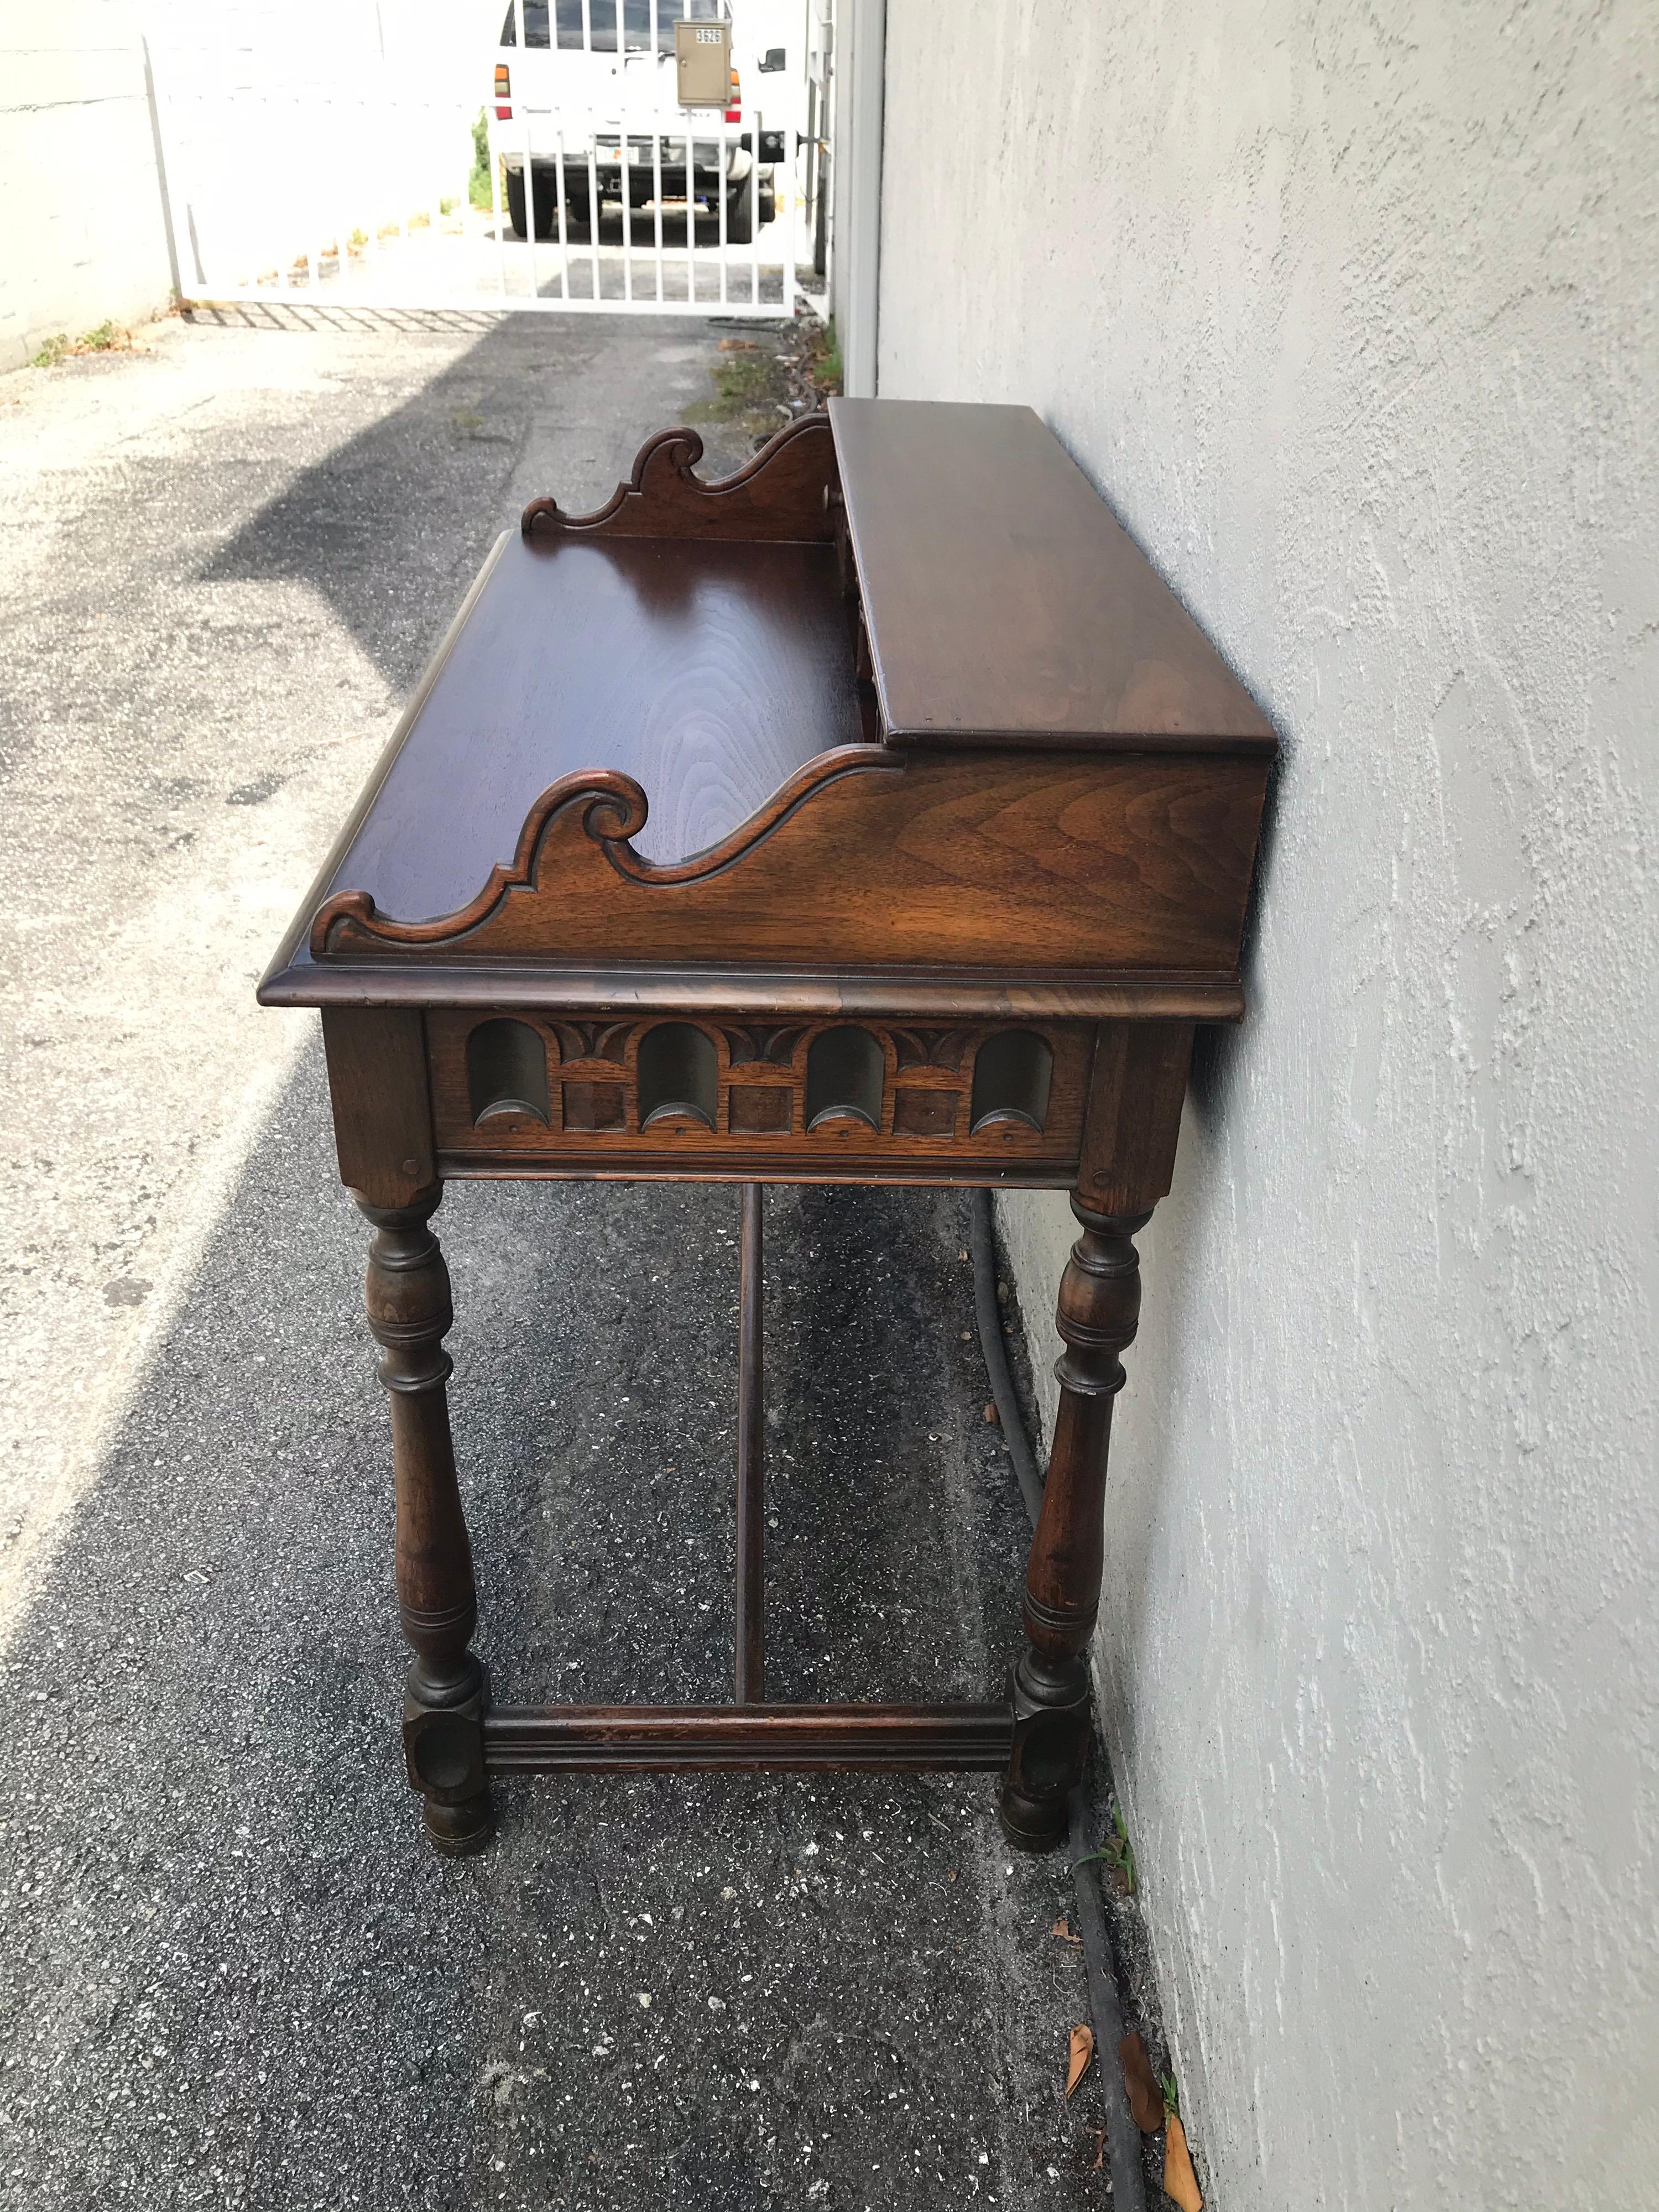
x,y
1119,1854
108,338
478,185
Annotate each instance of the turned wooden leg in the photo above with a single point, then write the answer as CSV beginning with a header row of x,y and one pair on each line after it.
x,y
409,1310
1099,1305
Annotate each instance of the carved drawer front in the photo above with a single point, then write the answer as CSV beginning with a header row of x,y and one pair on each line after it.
x,y
818,1096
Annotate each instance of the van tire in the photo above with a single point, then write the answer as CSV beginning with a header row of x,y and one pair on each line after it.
x,y
515,202
740,213
547,206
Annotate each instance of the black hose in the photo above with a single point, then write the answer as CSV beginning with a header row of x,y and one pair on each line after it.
x,y
1105,1999
987,1311
1106,2007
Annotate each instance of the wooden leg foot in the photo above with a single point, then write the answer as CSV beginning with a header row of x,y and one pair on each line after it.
x,y
443,1747
1099,1307
1051,1746
448,1690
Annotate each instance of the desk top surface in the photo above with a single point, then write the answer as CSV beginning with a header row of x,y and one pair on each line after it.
x,y
708,672
1005,603
646,745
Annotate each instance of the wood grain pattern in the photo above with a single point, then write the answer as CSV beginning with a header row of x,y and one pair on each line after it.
x,y
1005,603
778,497
377,1080
1133,1120
993,861
707,674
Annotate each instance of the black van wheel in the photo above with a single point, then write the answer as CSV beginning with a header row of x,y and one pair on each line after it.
x,y
547,206
740,212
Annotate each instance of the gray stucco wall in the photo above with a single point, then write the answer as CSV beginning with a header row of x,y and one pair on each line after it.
x,y
1351,314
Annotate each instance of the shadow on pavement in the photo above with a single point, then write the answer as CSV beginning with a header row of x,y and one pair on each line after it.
x,y
236,1975
392,528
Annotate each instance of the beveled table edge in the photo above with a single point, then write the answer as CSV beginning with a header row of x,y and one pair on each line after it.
x,y
1145,995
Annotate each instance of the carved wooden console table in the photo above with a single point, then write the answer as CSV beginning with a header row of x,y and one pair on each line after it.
x,y
873,816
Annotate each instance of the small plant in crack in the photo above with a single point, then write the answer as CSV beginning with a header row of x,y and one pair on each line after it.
x,y
1118,1853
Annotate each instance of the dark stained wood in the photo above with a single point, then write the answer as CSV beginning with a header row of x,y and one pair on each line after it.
x,y
991,861
780,497
377,1080
893,735
623,1739
409,1313
907,992
1099,1309
745,1071
706,674
738,1161
1005,602
1132,1119
751,1454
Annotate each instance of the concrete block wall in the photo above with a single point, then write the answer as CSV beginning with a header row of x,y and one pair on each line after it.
x,y
1351,314
85,240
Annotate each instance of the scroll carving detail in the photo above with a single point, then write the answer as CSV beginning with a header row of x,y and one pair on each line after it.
x,y
778,496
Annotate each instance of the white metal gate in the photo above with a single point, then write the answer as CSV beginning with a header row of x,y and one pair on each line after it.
x,y
353,184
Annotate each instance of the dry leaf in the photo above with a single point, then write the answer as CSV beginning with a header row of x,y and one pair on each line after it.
x,y
1100,2150
1179,2182
1145,2097
1083,2050
1063,1929
992,1418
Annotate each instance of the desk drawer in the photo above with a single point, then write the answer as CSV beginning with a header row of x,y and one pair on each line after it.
x,y
517,1092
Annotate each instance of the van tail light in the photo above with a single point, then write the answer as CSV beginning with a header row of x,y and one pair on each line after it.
x,y
503,94
734,110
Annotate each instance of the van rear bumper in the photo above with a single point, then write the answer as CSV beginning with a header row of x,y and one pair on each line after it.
x,y
639,176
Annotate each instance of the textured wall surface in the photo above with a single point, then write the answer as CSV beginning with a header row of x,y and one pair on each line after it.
x,y
1351,314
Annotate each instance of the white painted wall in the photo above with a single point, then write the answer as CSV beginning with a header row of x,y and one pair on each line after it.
x,y
1352,313
289,122
280,123
856,216
84,242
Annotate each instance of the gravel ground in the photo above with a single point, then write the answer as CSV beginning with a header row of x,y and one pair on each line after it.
x,y
233,1974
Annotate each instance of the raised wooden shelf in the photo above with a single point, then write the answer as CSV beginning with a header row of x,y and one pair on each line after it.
x,y
1007,606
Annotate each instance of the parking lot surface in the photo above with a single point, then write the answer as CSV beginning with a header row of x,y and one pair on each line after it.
x,y
233,1974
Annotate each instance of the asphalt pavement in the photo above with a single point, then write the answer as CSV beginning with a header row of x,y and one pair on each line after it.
x,y
232,1973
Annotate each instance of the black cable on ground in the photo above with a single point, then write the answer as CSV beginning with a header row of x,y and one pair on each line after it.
x,y
987,1311
1106,2007
1105,2000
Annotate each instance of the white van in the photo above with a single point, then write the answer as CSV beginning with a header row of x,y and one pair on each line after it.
x,y
575,74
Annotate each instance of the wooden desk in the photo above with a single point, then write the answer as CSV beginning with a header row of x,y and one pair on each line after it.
x,y
875,815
